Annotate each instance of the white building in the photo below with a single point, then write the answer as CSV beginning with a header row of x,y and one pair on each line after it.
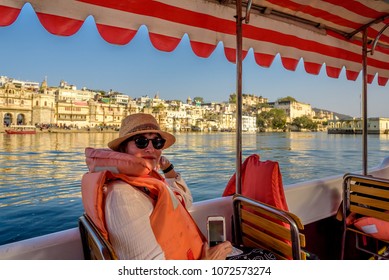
x,y
249,124
121,99
227,121
71,94
3,80
27,85
294,109
355,125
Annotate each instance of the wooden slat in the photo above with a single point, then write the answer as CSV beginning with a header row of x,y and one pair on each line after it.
x,y
262,227
303,256
253,244
302,240
372,181
260,210
369,190
368,201
266,224
369,212
94,249
99,247
297,221
274,228
368,197
271,242
247,241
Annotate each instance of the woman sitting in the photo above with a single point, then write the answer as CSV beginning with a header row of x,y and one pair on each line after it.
x,y
145,215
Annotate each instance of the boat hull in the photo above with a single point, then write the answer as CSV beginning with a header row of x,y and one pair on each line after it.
x,y
315,202
8,131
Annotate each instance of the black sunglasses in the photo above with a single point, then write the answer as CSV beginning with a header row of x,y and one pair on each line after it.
x,y
142,142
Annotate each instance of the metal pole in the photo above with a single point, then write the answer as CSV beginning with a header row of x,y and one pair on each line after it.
x,y
239,20
364,101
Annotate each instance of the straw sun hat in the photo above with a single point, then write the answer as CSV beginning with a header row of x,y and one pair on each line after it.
x,y
139,124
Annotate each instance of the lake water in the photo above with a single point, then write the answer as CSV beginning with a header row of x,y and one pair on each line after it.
x,y
40,174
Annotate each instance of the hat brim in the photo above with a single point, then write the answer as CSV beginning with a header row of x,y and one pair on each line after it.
x,y
170,138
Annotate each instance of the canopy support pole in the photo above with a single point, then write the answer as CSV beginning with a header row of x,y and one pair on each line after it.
x,y
364,100
239,20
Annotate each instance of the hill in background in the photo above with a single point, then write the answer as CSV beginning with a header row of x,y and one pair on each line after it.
x,y
338,115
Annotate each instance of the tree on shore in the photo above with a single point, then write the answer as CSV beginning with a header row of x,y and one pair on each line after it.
x,y
198,99
304,122
275,119
232,98
288,98
159,108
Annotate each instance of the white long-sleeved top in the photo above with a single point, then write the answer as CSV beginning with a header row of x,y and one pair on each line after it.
x,y
127,215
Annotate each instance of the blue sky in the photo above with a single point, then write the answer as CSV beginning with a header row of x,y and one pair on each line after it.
x,y
29,52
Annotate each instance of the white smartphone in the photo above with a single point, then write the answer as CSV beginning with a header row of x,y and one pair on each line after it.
x,y
216,227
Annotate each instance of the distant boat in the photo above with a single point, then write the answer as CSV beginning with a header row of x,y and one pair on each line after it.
x,y
21,129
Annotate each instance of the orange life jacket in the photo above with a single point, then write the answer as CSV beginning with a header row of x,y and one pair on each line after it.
x,y
262,181
174,228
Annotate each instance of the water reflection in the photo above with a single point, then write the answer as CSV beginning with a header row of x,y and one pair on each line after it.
x,y
40,174
206,161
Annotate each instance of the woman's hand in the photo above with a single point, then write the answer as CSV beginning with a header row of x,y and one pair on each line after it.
x,y
165,163
218,252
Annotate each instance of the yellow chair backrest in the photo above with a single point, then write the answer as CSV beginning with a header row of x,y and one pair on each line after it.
x,y
260,225
364,197
95,247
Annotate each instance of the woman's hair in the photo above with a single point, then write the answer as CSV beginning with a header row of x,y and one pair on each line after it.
x,y
123,145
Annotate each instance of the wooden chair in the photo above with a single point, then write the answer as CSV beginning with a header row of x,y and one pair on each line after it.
x,y
364,196
260,225
95,247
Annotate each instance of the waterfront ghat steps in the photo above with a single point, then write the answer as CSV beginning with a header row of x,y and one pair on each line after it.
x,y
74,130
366,198
261,225
94,245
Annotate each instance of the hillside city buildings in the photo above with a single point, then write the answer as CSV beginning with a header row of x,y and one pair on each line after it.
x,y
65,106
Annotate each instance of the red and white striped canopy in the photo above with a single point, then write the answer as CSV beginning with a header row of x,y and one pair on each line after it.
x,y
315,31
